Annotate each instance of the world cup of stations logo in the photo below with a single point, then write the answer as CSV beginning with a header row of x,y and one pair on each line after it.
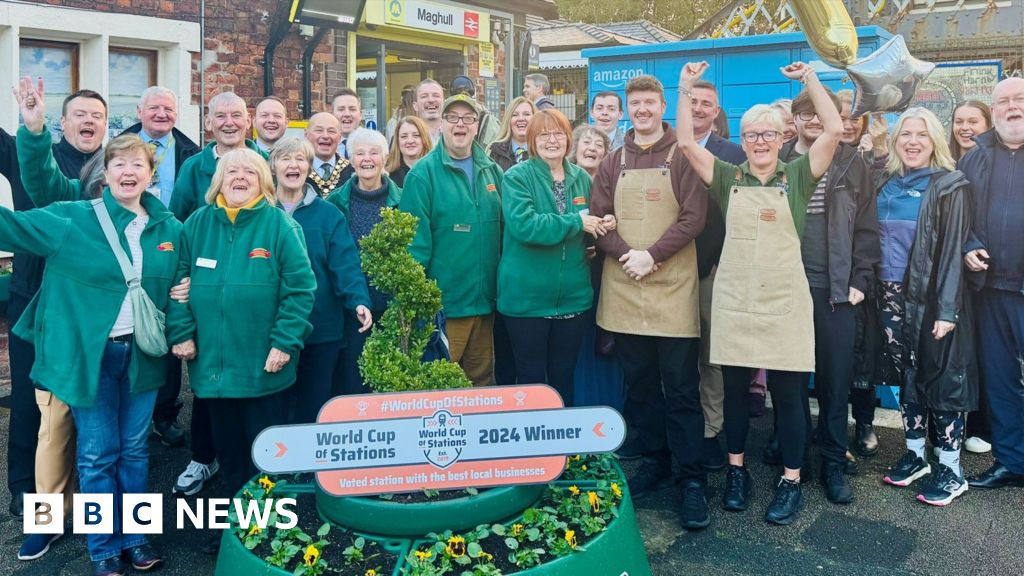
x,y
442,438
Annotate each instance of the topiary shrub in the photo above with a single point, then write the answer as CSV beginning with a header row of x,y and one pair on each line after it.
x,y
392,357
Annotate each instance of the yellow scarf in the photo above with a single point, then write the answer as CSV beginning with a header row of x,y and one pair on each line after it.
x,y
233,212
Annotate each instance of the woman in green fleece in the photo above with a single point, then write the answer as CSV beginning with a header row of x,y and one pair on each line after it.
x,y
543,277
248,312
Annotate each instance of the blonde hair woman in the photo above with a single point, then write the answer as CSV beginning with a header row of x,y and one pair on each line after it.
x,y
510,147
411,142
247,314
928,348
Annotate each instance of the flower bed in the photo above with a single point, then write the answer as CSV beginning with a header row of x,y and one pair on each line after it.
x,y
582,524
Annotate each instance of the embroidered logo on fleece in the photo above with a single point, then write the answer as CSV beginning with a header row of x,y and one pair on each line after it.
x,y
259,253
492,188
165,246
579,201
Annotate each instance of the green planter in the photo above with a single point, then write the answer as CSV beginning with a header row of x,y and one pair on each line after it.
x,y
377,516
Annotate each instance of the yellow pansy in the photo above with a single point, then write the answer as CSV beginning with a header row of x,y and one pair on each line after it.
x,y
456,546
616,490
595,502
570,537
517,529
574,491
267,484
423,554
311,555
254,530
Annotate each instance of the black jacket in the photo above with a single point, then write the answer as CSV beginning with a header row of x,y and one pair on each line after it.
x,y
502,154
398,176
976,166
183,146
709,243
940,375
853,246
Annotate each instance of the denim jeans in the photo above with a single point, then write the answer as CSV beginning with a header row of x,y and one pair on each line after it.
x,y
113,457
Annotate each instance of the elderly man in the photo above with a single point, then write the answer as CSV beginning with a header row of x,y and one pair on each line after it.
x,y
158,112
271,122
536,88
43,463
995,258
349,111
455,191
330,171
428,102
227,117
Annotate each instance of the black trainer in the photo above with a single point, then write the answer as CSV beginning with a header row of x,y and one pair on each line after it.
x,y
714,456
837,489
653,475
695,506
908,469
738,484
786,504
942,487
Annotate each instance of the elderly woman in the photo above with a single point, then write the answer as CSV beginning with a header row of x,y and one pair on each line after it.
x,y
543,277
928,345
761,306
360,200
341,294
247,315
411,142
589,147
94,364
511,146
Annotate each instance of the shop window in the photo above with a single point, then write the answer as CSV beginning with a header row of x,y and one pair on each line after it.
x,y
131,72
57,64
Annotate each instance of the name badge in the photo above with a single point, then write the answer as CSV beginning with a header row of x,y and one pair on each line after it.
x,y
206,263
585,212
462,227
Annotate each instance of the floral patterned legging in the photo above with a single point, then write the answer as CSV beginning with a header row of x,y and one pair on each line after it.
x,y
949,426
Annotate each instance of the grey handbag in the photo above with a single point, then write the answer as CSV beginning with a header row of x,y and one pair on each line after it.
x,y
149,320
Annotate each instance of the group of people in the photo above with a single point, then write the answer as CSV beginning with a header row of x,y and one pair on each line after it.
x,y
707,269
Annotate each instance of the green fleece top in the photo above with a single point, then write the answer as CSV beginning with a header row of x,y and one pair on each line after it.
x,y
458,236
544,269
194,177
69,319
341,196
252,290
43,181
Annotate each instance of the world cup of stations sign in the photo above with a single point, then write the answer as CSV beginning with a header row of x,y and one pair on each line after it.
x,y
445,439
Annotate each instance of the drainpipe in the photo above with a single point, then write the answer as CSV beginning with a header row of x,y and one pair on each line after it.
x,y
307,70
278,30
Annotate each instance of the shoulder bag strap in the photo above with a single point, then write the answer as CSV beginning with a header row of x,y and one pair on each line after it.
x,y
108,230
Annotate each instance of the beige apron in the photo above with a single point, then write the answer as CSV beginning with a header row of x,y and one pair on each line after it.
x,y
761,311
664,303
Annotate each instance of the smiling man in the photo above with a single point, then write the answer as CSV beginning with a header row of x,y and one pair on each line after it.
x,y
606,110
429,98
330,171
271,122
349,112
455,191
649,295
158,113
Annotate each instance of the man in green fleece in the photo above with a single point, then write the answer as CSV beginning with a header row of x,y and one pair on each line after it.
x,y
228,119
455,191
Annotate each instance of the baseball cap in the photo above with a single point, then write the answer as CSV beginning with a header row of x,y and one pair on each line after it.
x,y
461,98
463,84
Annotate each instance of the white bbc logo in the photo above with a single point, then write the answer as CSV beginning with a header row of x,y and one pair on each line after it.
x,y
94,514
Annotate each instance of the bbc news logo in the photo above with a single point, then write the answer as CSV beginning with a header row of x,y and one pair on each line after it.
x,y
144,513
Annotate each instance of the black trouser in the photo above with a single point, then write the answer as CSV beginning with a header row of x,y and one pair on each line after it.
x,y
201,431
505,361
978,420
23,428
862,402
545,351
313,380
835,326
663,385
235,423
787,390
347,379
167,405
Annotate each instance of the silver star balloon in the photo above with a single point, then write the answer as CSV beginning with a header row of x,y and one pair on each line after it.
x,y
887,79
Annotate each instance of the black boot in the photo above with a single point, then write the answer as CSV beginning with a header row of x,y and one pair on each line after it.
x,y
786,505
867,441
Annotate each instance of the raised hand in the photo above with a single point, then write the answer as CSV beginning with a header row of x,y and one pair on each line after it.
x,y
691,72
797,71
31,104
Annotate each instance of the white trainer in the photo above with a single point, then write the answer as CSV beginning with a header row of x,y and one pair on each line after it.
x,y
977,445
191,480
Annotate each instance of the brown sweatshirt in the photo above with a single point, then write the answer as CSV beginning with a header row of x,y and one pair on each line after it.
x,y
690,192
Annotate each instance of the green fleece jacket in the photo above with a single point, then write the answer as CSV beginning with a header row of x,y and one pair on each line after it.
x,y
458,236
252,290
43,181
194,179
69,319
544,269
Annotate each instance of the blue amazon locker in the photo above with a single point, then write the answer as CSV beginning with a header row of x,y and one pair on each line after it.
x,y
746,72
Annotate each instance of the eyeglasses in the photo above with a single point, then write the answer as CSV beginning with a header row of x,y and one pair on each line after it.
x,y
806,116
767,136
468,119
547,136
